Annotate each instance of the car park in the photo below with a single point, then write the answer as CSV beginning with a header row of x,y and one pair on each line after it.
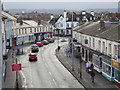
x,y
33,57
40,44
34,48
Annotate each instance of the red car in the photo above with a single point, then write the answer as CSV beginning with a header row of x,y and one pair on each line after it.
x,y
33,57
40,44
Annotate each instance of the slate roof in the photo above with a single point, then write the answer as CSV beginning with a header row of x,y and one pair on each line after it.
x,y
111,31
54,20
8,16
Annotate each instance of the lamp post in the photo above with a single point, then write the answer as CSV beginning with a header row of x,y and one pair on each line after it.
x,y
72,45
1,56
80,67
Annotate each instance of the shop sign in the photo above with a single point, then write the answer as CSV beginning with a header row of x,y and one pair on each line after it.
x,y
106,60
116,64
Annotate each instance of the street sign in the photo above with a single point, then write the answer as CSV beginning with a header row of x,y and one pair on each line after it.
x,y
16,67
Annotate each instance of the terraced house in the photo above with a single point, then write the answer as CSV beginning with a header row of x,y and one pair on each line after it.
x,y
99,44
28,31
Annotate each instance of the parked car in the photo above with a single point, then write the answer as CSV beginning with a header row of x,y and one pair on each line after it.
x,y
34,48
40,44
33,57
45,42
50,40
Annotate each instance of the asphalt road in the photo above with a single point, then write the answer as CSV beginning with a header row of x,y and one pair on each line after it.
x,y
47,72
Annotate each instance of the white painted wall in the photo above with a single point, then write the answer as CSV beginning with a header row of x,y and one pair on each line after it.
x,y
81,39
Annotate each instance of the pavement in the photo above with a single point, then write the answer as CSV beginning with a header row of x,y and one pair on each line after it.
x,y
10,76
100,81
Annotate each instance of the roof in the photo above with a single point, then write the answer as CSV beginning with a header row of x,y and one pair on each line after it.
x,y
22,26
110,32
54,20
8,15
30,22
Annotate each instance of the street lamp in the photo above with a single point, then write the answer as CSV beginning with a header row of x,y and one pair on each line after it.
x,y
80,66
72,45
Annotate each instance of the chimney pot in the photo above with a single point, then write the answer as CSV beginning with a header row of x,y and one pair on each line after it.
x,y
102,25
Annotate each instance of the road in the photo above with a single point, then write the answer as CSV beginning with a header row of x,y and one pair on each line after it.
x,y
47,72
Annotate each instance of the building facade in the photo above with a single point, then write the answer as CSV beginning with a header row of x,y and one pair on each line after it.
x,y
64,23
100,45
28,31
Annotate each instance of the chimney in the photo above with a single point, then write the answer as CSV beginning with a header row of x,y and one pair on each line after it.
x,y
39,22
65,14
102,25
21,22
83,12
92,13
51,17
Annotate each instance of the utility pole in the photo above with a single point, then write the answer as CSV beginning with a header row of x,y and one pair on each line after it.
x,y
1,54
72,45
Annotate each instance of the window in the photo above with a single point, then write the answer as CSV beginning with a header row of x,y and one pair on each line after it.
x,y
61,25
68,25
103,48
34,29
93,42
30,30
115,49
107,69
72,24
117,75
38,29
19,31
25,31
89,41
99,45
109,49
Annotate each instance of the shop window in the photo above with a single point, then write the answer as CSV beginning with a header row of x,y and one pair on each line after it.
x,y
107,69
96,61
117,75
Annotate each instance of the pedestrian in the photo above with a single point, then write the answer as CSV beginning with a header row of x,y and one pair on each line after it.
x,y
87,65
92,73
58,48
66,52
92,66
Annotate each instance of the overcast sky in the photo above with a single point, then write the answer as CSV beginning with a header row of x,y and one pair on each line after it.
x,y
60,0
59,4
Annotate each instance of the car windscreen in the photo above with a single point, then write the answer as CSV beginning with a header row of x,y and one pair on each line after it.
x,y
32,55
34,47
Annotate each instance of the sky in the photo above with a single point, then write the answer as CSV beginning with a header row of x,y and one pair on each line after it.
x,y
59,4
60,0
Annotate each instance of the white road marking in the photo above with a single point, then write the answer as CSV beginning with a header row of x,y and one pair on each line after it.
x,y
25,83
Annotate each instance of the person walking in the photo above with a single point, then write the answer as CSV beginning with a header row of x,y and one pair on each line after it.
x,y
87,65
92,73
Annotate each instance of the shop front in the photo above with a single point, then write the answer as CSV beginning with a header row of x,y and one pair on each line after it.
x,y
107,69
97,61
77,50
116,66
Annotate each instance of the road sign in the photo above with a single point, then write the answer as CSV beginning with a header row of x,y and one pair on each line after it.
x,y
16,67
